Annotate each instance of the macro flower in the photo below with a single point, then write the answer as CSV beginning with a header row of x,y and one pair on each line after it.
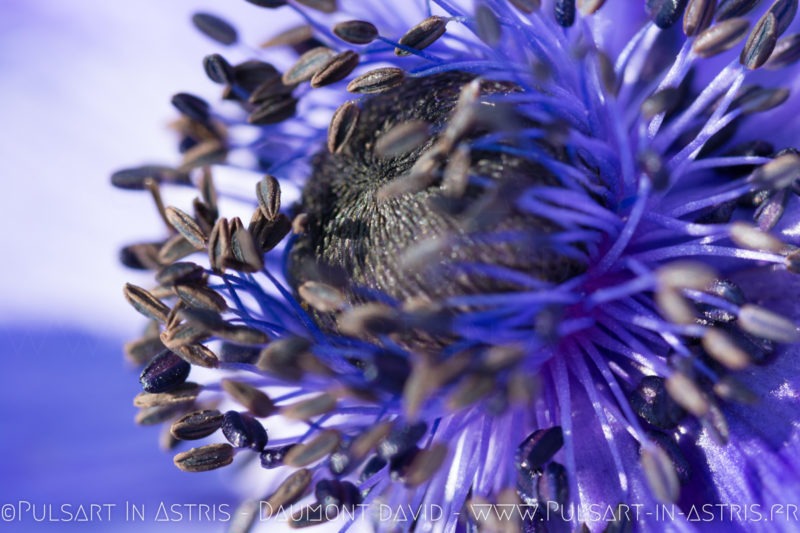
x,y
536,256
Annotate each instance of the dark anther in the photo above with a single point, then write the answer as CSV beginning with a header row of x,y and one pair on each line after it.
x,y
165,372
356,31
136,178
401,439
327,492
526,486
337,493
734,8
273,457
372,467
248,76
268,233
268,3
186,144
654,167
564,11
652,403
665,13
760,350
244,431
730,292
191,106
140,256
400,463
538,448
748,149
218,69
351,496
215,28
422,35
387,372
552,489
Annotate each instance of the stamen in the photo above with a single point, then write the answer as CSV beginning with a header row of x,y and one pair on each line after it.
x,y
760,43
312,451
401,439
244,431
307,65
184,394
356,31
324,298
300,38
136,178
735,8
335,69
175,249
252,398
215,28
205,458
720,37
426,464
538,448
145,303
654,405
180,272
752,238
698,16
377,81
218,69
763,323
786,52
310,407
291,490
660,474
422,35
196,425
725,350
273,457
186,226
564,11
687,394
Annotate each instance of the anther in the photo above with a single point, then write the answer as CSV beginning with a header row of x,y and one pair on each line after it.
x,y
205,458
244,431
165,372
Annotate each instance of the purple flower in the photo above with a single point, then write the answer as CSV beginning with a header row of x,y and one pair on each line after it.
x,y
504,256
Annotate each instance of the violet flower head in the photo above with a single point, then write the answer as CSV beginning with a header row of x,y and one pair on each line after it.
x,y
539,255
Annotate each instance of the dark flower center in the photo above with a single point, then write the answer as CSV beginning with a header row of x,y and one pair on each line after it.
x,y
422,240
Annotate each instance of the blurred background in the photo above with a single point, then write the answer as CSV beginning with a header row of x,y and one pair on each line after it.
x,y
84,90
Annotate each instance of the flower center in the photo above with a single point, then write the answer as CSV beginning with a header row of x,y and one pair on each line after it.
x,y
400,208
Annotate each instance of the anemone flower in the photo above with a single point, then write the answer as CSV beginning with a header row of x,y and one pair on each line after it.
x,y
505,265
